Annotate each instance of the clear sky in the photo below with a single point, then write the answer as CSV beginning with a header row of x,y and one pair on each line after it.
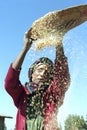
x,y
16,17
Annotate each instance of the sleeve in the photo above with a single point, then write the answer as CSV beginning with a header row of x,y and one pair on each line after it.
x,y
61,80
13,86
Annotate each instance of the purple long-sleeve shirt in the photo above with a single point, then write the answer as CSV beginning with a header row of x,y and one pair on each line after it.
x,y
52,97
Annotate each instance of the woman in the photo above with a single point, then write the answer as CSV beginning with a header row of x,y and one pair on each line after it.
x,y
39,99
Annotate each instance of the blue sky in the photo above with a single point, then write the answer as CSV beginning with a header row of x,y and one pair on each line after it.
x,y
16,17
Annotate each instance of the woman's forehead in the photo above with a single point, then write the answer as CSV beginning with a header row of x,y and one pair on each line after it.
x,y
40,65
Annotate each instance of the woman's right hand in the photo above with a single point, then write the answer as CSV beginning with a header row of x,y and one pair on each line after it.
x,y
27,40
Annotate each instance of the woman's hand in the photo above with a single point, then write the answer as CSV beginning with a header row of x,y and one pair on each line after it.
x,y
27,40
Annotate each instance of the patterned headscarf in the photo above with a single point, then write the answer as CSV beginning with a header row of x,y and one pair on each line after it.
x,y
43,60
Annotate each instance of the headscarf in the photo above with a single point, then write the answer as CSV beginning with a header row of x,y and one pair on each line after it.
x,y
43,60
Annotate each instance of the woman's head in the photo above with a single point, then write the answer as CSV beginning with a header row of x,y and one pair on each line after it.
x,y
41,70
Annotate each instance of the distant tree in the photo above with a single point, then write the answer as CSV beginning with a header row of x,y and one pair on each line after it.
x,y
85,125
75,122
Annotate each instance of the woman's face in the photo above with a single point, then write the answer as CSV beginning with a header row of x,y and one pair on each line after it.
x,y
41,73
